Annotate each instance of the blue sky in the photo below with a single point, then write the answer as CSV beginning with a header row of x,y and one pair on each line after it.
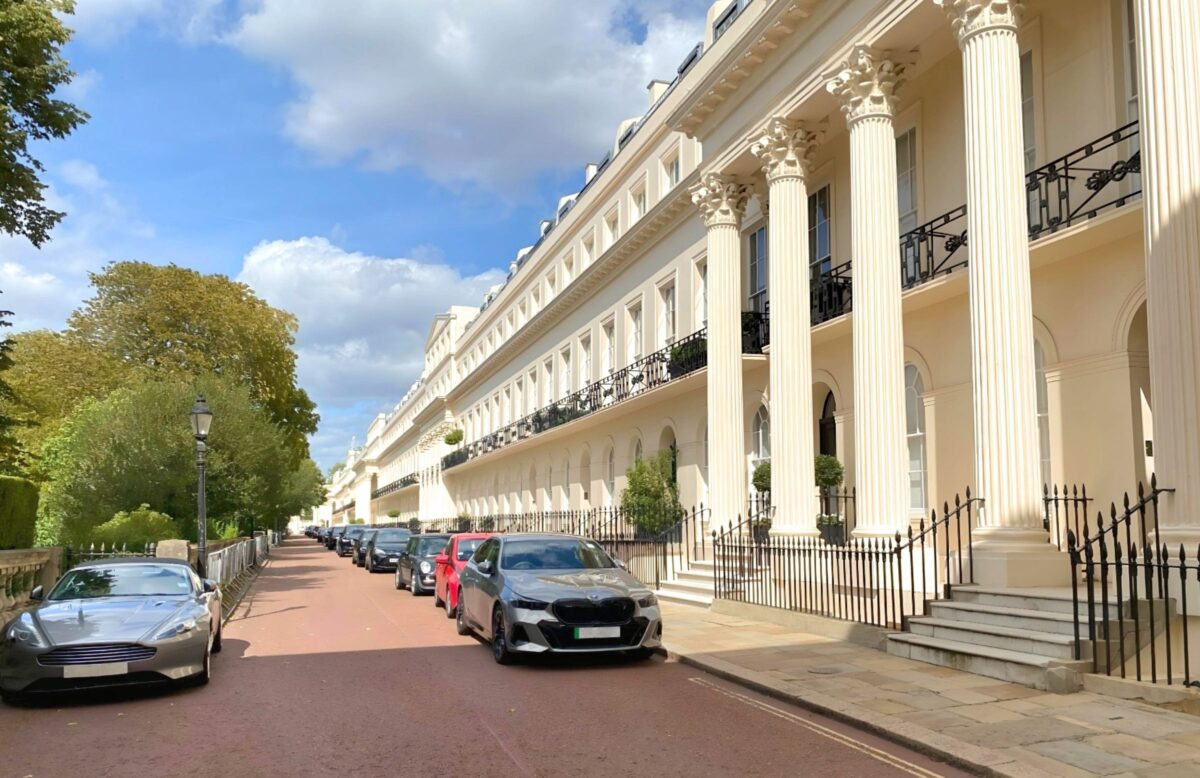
x,y
361,163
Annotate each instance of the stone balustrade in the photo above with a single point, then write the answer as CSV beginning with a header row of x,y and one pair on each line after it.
x,y
20,571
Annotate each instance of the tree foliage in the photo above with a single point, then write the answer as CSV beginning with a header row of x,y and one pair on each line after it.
x,y
135,447
32,70
175,321
134,529
18,508
51,376
10,451
651,496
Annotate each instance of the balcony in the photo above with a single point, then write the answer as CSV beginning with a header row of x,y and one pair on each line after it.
x,y
1093,179
347,507
394,486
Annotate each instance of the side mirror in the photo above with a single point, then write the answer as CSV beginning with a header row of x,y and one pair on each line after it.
x,y
37,593
485,567
442,559
620,564
210,586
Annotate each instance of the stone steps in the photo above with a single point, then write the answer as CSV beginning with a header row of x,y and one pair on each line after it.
x,y
1039,672
1048,644
999,616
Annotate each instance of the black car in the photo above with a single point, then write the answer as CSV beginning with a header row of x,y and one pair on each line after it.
x,y
331,537
416,565
383,550
345,541
358,550
320,533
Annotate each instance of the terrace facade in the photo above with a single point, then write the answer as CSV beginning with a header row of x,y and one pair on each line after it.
x,y
953,243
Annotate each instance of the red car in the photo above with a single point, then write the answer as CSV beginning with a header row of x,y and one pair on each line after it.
x,y
448,565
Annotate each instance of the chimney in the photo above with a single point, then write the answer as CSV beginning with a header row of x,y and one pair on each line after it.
x,y
657,89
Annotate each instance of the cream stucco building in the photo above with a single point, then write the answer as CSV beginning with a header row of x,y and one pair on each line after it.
x,y
954,243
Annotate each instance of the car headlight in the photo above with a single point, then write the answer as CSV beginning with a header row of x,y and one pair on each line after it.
x,y
649,601
529,605
426,568
24,631
178,628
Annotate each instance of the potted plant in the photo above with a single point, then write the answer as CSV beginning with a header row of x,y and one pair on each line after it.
x,y
414,525
828,476
761,528
687,356
453,437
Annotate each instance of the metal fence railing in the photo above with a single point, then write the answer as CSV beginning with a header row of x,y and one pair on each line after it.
x,y
224,566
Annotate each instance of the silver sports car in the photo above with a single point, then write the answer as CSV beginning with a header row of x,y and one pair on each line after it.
x,y
110,623
535,594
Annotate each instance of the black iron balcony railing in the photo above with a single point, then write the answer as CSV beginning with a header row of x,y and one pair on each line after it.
x,y
756,331
1098,177
660,367
394,486
344,508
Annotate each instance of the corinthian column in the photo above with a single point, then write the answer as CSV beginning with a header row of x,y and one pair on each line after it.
x,y
1168,51
1011,546
785,149
866,87
722,201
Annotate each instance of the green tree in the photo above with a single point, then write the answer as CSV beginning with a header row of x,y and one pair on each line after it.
x,y
303,488
134,529
32,70
10,450
51,376
651,496
135,446
176,321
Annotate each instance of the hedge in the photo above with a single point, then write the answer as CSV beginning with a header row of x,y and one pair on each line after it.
x,y
18,512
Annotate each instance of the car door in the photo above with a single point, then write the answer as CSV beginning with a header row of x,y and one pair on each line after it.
x,y
469,580
408,560
441,576
489,587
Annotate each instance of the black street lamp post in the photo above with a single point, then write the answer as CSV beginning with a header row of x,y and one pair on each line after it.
x,y
201,421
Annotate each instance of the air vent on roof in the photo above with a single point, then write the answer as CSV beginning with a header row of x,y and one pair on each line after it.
x,y
690,59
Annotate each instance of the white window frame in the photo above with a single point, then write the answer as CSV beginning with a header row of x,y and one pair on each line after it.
x,y
914,402
635,340
668,320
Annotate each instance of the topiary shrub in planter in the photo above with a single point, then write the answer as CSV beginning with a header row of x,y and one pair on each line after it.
x,y
414,525
687,357
393,514
453,437
18,512
650,500
829,471
832,529
464,522
762,477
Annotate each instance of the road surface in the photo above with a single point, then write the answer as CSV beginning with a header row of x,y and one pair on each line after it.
x,y
328,670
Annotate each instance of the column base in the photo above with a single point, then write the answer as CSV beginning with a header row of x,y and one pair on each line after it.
x,y
1174,537
1018,558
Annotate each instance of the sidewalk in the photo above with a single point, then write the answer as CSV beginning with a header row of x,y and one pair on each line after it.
x,y
978,723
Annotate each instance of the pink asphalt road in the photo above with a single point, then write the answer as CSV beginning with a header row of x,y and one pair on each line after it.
x,y
328,670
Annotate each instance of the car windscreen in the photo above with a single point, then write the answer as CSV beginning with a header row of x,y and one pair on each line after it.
x,y
430,546
564,554
467,547
392,536
354,533
123,581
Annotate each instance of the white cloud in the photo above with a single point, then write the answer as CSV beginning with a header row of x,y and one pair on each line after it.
x,y
477,92
363,324
105,21
42,286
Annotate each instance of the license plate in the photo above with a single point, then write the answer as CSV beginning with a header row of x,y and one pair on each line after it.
x,y
585,633
95,671
393,559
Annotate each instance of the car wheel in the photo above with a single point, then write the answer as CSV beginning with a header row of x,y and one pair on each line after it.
x,y
370,565
460,619
399,585
437,598
414,588
500,650
450,610
202,678
216,646
12,698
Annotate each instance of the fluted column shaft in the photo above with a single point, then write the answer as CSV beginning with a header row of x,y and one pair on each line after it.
x,y
866,86
1168,51
722,202
1007,471
785,149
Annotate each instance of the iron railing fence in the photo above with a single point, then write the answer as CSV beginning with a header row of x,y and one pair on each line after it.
x,y
830,293
1064,508
878,581
756,331
224,566
932,249
837,518
75,556
1135,604
394,486
347,507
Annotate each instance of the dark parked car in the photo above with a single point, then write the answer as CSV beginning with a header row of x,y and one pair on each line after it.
x,y
383,550
416,567
310,531
345,542
320,534
358,551
331,538
532,594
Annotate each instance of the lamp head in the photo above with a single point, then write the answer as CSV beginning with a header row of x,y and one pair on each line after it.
x,y
201,418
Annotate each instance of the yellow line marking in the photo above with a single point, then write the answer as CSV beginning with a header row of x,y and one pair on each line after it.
x,y
846,740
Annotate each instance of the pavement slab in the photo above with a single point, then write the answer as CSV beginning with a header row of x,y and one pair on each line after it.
x,y
989,726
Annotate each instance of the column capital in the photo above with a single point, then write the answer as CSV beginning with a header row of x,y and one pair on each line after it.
x,y
785,148
969,17
721,199
867,83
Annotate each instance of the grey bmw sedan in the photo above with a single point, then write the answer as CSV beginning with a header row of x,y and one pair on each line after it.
x,y
536,594
113,623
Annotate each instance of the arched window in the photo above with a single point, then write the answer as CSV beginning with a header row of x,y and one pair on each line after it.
x,y
1043,409
914,415
637,450
761,434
